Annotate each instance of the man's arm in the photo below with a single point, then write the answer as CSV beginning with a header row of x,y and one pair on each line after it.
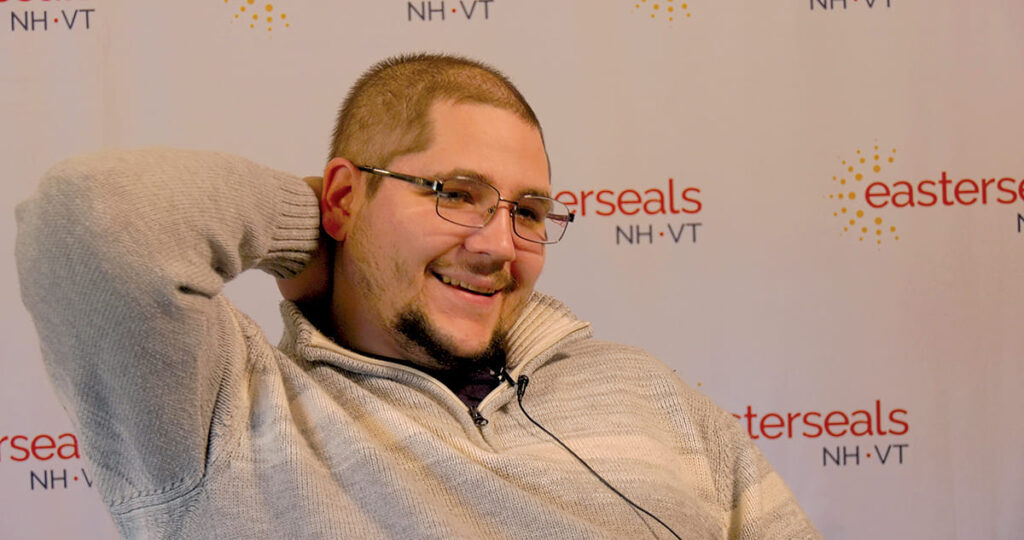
x,y
122,257
761,505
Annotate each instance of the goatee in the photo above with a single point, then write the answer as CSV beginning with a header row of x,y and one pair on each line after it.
x,y
417,330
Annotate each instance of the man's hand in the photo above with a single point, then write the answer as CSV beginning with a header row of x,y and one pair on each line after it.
x,y
314,282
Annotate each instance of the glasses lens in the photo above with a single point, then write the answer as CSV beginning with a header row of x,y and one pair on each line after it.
x,y
541,219
466,201
531,218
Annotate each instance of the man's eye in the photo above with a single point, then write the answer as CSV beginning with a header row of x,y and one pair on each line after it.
x,y
455,197
529,214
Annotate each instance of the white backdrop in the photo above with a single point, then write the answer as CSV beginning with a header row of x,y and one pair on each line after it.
x,y
713,153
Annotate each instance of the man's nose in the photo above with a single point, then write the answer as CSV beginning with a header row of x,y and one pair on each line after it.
x,y
496,238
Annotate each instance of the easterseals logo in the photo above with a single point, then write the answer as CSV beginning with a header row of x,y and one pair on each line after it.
x,y
878,430
258,15
54,461
668,10
868,203
449,11
46,16
843,5
664,213
856,218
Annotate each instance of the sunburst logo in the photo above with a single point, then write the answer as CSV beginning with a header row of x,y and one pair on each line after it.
x,y
856,218
662,9
258,15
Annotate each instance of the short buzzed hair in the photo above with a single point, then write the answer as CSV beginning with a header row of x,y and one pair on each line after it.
x,y
387,112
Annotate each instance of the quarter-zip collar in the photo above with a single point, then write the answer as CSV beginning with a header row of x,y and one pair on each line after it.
x,y
544,322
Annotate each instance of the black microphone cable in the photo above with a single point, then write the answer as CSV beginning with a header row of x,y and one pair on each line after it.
x,y
520,391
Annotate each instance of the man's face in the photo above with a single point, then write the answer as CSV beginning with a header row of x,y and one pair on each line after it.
x,y
401,264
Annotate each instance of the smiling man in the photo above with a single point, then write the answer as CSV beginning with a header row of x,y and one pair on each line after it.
x,y
438,291
396,403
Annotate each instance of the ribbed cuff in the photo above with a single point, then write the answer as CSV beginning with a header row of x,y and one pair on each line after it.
x,y
297,232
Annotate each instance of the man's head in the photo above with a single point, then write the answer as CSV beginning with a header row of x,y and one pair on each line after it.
x,y
407,283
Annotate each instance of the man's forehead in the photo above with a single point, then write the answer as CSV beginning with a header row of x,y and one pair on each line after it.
x,y
486,143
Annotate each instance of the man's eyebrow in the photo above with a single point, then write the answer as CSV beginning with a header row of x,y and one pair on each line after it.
x,y
467,173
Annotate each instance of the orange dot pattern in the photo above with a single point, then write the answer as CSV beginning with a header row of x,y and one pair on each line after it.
x,y
270,16
856,218
662,9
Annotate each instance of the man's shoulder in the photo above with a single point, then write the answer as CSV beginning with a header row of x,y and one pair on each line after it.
x,y
615,357
595,362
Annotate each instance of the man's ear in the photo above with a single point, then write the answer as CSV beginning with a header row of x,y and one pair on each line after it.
x,y
343,188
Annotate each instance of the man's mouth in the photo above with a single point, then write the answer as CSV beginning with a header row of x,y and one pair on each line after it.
x,y
482,291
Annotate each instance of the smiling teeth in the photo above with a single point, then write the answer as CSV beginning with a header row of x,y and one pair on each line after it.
x,y
462,285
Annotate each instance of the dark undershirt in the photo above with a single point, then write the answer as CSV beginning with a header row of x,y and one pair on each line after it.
x,y
470,386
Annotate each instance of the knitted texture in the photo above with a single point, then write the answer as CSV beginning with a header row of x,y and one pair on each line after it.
x,y
197,427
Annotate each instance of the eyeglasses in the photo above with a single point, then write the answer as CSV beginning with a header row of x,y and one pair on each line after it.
x,y
472,203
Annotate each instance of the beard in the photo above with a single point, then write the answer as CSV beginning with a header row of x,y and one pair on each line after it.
x,y
413,325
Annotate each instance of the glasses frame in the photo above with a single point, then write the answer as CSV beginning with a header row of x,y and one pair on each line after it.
x,y
438,185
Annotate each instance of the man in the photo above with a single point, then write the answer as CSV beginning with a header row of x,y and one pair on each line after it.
x,y
401,409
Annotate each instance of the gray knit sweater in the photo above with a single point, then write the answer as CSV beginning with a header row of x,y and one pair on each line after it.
x,y
197,427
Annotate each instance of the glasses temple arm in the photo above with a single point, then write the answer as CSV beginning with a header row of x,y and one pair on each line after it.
x,y
435,185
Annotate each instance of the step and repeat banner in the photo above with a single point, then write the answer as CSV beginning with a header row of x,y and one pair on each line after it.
x,y
813,210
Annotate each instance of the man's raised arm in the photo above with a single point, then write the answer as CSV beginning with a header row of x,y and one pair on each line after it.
x,y
122,258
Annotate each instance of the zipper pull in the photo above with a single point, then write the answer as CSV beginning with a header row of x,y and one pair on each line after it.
x,y
478,418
